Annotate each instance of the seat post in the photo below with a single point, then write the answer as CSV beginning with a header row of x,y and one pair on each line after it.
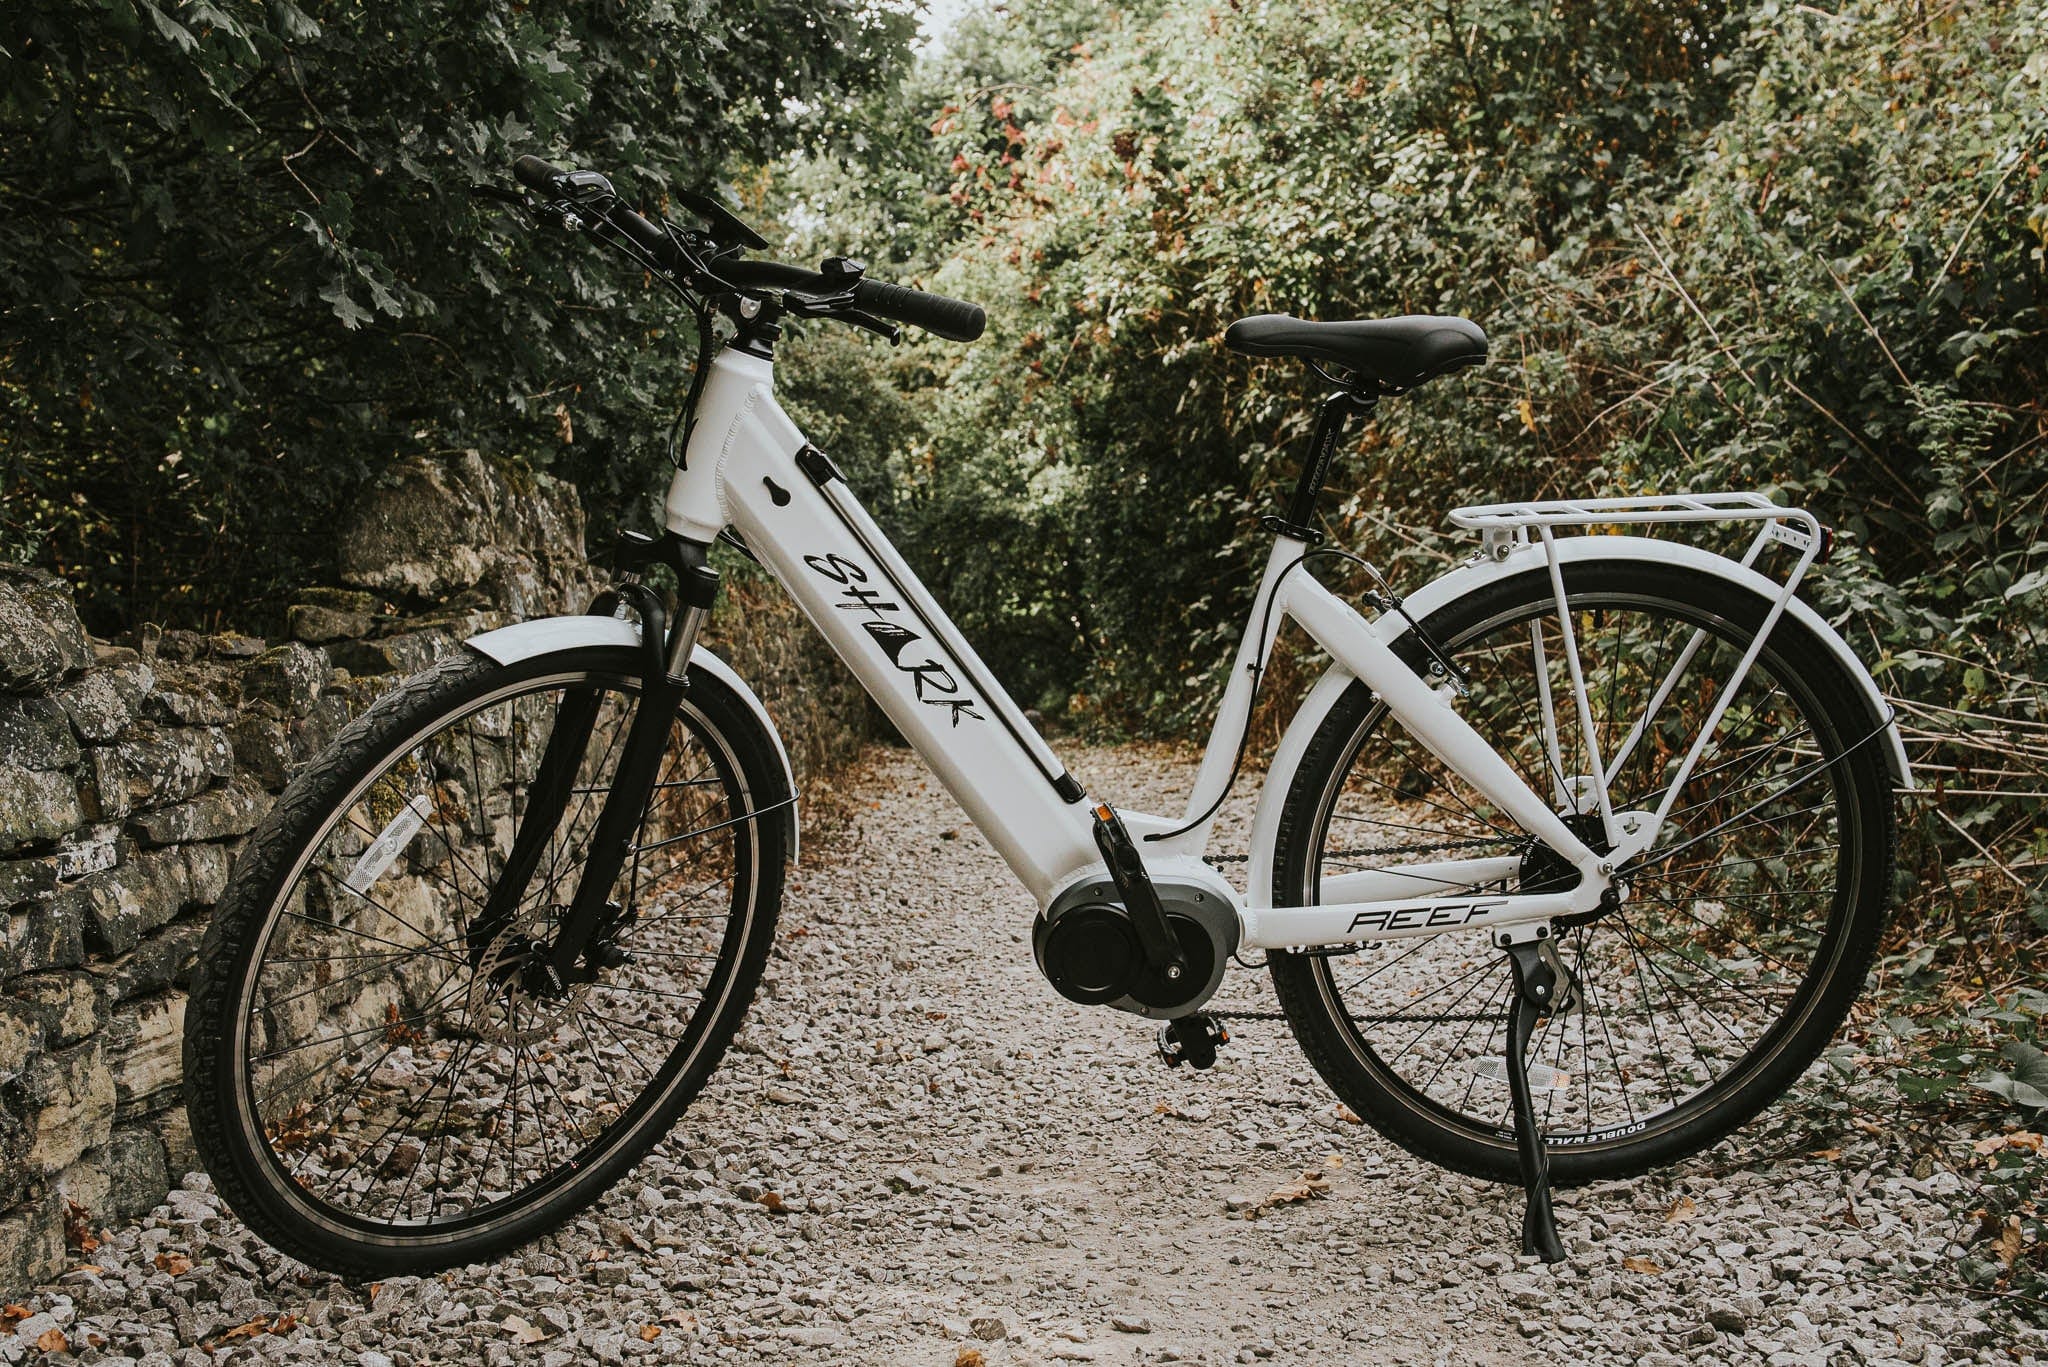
x,y
1331,421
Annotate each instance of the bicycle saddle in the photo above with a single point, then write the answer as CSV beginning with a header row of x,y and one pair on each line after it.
x,y
1398,353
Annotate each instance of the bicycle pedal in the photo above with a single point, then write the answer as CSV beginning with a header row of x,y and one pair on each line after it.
x,y
1192,1040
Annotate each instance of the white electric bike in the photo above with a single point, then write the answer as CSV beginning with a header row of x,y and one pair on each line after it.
x,y
1569,864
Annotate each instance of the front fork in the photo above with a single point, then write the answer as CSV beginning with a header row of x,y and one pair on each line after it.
x,y
591,916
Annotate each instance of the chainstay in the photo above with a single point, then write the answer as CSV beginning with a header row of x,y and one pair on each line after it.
x,y
1431,847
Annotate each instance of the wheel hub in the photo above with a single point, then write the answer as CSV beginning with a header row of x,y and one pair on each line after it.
x,y
1545,870
514,996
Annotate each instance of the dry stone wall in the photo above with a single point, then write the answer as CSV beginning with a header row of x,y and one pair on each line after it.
x,y
131,770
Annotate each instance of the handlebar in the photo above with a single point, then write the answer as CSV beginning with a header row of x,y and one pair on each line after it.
x,y
954,319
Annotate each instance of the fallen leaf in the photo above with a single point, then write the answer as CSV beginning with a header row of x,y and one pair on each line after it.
x,y
771,1202
78,1228
245,1331
53,1341
1349,1116
13,1314
2024,1139
1828,1155
969,1357
284,1324
2007,1244
177,1264
622,1234
649,1332
402,1159
1310,1184
1990,1143
522,1329
1683,1208
1642,1265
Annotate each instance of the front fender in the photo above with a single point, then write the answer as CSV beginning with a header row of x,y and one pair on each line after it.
x,y
546,635
1472,577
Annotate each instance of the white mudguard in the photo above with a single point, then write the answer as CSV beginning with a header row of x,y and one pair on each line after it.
x,y
546,635
1471,578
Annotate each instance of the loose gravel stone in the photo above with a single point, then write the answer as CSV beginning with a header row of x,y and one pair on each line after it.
x,y
966,1169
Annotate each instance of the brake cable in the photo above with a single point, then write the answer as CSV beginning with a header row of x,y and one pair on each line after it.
x,y
1384,600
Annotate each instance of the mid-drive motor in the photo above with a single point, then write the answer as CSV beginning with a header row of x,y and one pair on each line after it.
x,y
1089,951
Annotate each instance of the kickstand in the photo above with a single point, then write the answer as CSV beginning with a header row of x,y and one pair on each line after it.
x,y
1538,975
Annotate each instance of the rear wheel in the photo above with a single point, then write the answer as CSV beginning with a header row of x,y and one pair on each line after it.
x,y
379,1078
1748,927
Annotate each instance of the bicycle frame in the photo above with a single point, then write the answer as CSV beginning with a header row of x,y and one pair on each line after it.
x,y
749,467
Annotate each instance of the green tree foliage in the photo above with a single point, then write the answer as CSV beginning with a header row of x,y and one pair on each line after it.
x,y
240,269
1716,245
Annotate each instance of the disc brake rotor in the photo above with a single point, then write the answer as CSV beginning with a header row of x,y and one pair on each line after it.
x,y
512,998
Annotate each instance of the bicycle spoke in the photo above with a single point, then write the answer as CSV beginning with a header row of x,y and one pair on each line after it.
x,y
471,1090
1720,928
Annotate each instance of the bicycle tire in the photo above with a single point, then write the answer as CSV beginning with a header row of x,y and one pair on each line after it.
x,y
1336,1040
247,1155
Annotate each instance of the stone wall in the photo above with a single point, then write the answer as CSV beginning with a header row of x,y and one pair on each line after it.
x,y
130,770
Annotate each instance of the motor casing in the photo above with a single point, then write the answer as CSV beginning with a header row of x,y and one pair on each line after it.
x,y
1088,950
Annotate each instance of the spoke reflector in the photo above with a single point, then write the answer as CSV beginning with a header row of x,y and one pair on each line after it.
x,y
389,844
1542,1078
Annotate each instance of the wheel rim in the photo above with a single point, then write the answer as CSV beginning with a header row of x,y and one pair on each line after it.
x,y
1734,918
403,1089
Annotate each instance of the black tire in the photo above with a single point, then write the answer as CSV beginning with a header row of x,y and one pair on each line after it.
x,y
1706,974
294,986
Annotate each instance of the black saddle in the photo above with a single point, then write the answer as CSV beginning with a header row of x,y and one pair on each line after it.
x,y
1395,353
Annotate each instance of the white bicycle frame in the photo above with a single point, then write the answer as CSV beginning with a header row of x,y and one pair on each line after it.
x,y
748,467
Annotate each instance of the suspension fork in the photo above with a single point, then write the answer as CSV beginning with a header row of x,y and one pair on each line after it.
x,y
553,785
645,749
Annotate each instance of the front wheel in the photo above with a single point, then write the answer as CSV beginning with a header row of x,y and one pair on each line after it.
x,y
382,1077
1747,928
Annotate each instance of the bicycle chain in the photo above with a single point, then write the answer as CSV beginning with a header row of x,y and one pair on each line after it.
x,y
1474,1016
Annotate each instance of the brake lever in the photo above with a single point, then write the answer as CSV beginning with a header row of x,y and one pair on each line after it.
x,y
817,305
558,212
838,307
868,321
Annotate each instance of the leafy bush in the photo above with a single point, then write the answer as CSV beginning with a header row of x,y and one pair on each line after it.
x,y
240,269
1751,246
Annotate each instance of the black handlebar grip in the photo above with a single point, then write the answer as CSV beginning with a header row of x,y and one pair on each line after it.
x,y
954,319
537,175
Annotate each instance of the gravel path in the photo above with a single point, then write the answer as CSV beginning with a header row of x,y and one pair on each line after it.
x,y
917,1154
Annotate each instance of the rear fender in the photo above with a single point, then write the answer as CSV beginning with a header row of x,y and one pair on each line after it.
x,y
1471,578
